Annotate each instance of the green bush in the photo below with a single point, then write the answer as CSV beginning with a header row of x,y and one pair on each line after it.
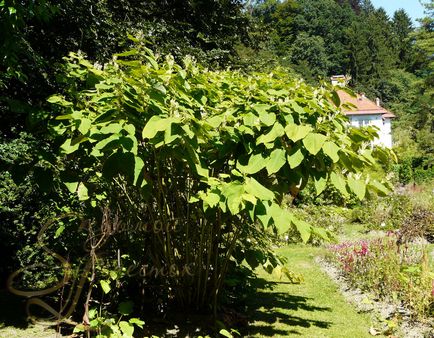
x,y
206,157
385,213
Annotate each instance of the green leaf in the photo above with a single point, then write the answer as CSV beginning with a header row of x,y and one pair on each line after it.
x,y
137,322
233,192
85,125
126,328
339,183
282,218
68,148
157,124
297,132
138,167
226,333
276,161
331,149
358,187
261,108
93,313
262,212
59,231
313,142
320,182
82,192
295,157
126,308
267,119
379,187
255,164
256,189
59,100
112,128
105,285
211,199
79,328
304,229
152,61
275,132
321,232
72,186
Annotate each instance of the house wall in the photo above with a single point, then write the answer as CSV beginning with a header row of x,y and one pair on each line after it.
x,y
384,126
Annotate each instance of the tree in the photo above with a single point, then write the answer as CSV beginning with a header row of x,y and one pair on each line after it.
x,y
402,28
309,55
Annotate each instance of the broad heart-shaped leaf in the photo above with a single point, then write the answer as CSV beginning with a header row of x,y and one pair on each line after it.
x,y
211,199
358,187
282,218
157,124
331,149
295,157
276,161
297,132
305,229
233,192
126,328
320,181
313,142
255,164
339,183
275,132
261,108
105,285
256,189
267,119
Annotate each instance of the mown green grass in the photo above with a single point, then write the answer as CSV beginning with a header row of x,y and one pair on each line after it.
x,y
314,308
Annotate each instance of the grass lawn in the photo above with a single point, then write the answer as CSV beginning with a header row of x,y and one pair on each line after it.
x,y
314,308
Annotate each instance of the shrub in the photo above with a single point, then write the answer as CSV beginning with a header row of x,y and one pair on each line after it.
x,y
385,213
204,156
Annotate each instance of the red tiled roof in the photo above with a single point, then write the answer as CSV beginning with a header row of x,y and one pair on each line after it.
x,y
363,106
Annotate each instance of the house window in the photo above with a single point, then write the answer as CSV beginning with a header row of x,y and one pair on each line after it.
x,y
365,123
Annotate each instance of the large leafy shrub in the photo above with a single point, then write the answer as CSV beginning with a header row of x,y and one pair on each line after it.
x,y
193,164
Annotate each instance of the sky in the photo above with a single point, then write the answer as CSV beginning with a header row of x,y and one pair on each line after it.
x,y
412,7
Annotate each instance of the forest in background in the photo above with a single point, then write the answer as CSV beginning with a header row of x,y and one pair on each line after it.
x,y
386,57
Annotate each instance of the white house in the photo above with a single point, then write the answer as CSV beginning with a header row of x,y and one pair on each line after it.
x,y
367,113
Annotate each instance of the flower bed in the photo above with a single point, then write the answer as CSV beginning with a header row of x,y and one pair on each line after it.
x,y
388,270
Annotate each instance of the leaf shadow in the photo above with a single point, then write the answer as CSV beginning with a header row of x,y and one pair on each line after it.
x,y
268,308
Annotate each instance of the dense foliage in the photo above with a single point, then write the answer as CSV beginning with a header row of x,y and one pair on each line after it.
x,y
181,167
193,164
